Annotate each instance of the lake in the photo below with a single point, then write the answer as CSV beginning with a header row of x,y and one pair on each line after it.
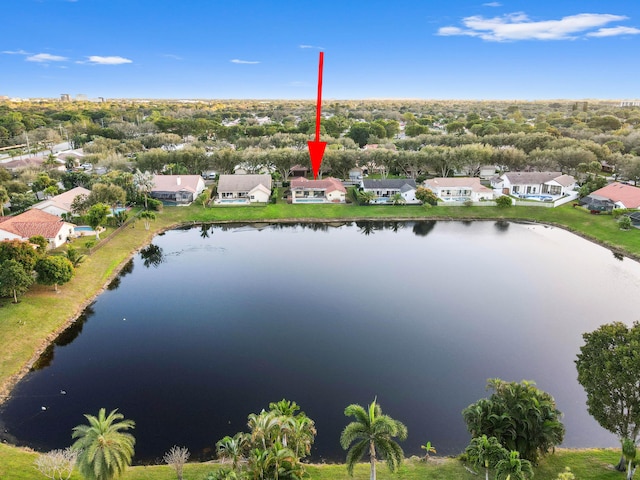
x,y
208,325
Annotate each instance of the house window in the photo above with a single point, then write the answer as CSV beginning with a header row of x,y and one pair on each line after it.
x,y
516,189
253,197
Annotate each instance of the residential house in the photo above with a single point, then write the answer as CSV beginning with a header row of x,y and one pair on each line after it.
x,y
487,171
61,204
299,171
387,188
249,188
177,189
328,190
459,189
614,195
355,174
546,186
36,222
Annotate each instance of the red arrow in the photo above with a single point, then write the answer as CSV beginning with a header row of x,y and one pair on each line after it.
x,y
316,147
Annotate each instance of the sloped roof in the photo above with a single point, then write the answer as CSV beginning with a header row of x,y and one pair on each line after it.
x,y
243,183
565,180
329,184
176,183
628,195
457,182
531,178
33,222
391,183
64,200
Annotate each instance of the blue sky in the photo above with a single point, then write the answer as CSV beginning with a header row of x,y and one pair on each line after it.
x,y
426,49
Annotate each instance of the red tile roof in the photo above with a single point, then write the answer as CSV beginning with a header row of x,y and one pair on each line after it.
x,y
329,184
31,223
620,192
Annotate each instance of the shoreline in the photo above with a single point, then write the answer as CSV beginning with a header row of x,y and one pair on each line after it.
x,y
7,386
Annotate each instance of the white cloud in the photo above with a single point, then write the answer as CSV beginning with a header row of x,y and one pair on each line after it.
x,y
246,62
492,4
98,60
518,26
315,47
615,31
46,58
15,52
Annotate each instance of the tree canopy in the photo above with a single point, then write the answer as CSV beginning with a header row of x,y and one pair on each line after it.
x,y
522,418
609,370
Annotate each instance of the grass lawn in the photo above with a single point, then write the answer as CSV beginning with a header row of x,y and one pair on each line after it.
x,y
592,464
42,313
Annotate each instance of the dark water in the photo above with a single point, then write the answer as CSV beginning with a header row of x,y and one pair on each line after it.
x,y
208,326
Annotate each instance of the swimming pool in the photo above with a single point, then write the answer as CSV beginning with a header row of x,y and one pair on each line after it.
x,y
309,200
84,230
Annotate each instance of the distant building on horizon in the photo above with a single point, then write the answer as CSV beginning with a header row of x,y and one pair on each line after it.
x,y
630,103
65,97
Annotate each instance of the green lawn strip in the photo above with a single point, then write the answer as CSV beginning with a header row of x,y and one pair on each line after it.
x,y
586,464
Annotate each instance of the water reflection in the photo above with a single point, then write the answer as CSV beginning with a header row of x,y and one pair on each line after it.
x,y
152,256
502,226
126,270
423,228
204,230
65,338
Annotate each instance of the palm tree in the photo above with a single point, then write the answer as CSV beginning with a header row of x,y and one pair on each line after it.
x,y
367,197
105,449
147,216
513,468
398,199
232,448
373,431
485,453
265,428
144,183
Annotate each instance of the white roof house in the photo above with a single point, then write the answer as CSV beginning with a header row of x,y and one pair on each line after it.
x,y
459,189
179,189
535,184
61,203
254,188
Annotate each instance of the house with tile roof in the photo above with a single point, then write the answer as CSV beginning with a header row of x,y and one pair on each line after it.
x,y
249,188
328,190
614,195
177,189
36,222
385,189
459,189
547,186
61,204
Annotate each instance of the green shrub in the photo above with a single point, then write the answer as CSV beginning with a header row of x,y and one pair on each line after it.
x,y
153,204
624,223
504,201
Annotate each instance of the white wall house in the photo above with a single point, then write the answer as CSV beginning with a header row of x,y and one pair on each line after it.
x,y
459,189
328,190
387,188
535,184
254,188
36,222
178,189
61,204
